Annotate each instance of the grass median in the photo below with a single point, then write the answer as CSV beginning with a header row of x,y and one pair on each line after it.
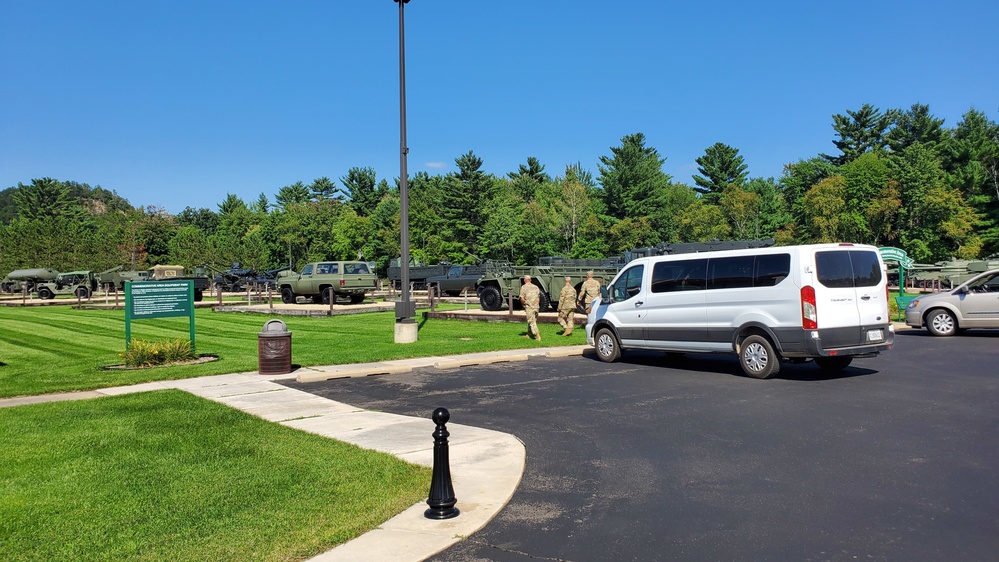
x,y
169,476
57,348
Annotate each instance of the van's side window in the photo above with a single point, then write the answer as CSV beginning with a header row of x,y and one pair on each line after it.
x,y
848,268
731,273
684,275
307,270
771,269
628,284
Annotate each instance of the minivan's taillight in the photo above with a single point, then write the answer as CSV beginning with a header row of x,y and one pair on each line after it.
x,y
809,314
343,282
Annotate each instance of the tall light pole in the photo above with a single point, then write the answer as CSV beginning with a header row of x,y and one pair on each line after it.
x,y
406,329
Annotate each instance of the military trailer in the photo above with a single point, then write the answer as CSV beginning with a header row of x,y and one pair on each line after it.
x,y
418,273
17,280
324,282
79,283
457,279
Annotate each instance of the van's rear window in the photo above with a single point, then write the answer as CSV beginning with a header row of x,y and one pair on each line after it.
x,y
848,268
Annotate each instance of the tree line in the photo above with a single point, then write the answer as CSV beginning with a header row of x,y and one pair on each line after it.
x,y
900,178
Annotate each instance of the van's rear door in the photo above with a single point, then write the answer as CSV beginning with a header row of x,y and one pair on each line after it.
x,y
850,296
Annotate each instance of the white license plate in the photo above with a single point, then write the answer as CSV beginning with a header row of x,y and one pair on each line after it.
x,y
874,335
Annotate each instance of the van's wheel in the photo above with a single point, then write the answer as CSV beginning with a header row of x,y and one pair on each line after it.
x,y
327,295
544,302
941,322
83,293
490,298
608,349
44,293
833,364
758,358
356,299
287,295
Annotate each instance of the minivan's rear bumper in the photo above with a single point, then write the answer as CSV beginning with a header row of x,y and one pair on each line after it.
x,y
826,343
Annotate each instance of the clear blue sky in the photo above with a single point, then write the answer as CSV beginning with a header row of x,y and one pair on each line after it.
x,y
176,103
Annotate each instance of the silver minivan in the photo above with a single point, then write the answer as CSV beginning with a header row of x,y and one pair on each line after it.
x,y
973,304
825,302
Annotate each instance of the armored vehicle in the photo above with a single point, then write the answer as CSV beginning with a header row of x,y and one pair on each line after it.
x,y
15,281
457,279
176,273
79,283
114,279
418,273
495,286
326,281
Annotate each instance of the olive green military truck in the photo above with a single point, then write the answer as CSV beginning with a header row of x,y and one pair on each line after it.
x,y
326,281
17,280
79,283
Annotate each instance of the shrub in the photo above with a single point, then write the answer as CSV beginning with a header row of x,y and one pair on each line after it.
x,y
142,353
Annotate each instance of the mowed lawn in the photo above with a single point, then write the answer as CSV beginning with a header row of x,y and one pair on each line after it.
x,y
169,476
57,348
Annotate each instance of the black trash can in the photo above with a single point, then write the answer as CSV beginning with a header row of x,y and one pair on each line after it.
x,y
274,349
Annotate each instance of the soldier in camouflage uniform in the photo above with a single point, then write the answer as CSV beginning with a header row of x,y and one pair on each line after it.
x,y
567,307
530,297
589,290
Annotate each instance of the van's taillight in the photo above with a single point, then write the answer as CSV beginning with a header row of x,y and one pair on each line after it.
x,y
343,282
809,314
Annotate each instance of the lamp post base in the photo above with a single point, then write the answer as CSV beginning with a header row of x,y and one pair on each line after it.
x,y
406,332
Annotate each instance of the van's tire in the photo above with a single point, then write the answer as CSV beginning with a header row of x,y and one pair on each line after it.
x,y
941,322
758,358
287,295
327,295
833,364
83,292
490,298
356,299
45,294
608,348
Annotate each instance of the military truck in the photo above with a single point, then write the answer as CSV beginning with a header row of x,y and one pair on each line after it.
x,y
495,286
326,281
176,273
79,283
457,279
15,281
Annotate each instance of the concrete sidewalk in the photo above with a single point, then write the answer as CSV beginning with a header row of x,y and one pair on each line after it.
x,y
486,465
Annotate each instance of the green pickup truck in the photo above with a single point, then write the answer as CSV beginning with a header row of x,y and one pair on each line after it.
x,y
327,280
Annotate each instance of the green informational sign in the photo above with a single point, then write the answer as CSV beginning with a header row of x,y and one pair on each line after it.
x,y
889,253
158,299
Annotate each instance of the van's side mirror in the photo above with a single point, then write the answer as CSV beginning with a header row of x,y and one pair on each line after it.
x,y
605,295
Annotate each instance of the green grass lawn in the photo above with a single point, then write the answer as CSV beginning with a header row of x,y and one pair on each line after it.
x,y
169,476
56,348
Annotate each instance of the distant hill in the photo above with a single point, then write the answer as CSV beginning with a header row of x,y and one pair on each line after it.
x,y
95,200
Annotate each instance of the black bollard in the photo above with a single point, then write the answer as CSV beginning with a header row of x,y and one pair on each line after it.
x,y
441,500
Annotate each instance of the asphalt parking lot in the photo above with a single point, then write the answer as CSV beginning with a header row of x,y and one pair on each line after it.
x,y
656,458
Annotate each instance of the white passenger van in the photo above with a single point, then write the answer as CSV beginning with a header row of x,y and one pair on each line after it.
x,y
826,302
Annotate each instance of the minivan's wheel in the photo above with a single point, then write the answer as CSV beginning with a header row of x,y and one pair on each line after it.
x,y
758,358
44,293
83,292
490,298
327,295
287,295
607,347
833,364
941,323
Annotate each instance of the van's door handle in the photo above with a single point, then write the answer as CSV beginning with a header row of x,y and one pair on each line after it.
x,y
639,303
865,298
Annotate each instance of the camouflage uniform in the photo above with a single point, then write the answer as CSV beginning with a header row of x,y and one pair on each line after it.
x,y
589,291
566,308
530,297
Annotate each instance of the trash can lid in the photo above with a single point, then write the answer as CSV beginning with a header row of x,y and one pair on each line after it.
x,y
274,328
